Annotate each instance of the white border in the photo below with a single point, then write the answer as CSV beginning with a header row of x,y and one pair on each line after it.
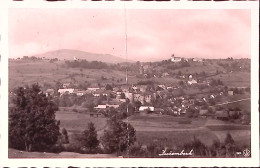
x,y
254,161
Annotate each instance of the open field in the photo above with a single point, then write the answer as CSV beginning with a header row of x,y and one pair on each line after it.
x,y
163,123
177,137
234,79
170,130
77,122
241,137
45,73
243,105
240,133
198,67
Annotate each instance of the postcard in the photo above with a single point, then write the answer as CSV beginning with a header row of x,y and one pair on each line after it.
x,y
129,83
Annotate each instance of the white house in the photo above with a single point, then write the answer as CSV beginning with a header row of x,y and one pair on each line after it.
x,y
197,59
101,106
49,92
92,89
175,59
62,91
149,108
191,82
80,92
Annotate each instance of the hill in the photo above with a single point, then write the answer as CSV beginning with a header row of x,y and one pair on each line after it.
x,y
68,54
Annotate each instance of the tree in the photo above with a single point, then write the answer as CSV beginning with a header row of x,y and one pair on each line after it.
x,y
137,105
126,108
89,139
109,87
65,136
32,124
229,139
229,145
118,137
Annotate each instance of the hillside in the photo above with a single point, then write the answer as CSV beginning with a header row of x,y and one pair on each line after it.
x,y
26,72
68,54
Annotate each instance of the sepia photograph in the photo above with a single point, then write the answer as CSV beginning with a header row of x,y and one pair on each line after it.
x,y
129,83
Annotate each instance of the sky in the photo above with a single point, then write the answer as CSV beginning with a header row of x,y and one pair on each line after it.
x,y
152,34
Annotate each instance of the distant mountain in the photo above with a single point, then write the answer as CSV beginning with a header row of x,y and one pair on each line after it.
x,y
68,54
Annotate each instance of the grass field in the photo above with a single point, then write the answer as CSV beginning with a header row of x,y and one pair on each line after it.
x,y
228,127
163,123
169,130
240,133
176,138
27,72
77,122
235,79
243,105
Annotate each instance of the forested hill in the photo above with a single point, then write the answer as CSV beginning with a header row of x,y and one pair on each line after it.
x,y
68,54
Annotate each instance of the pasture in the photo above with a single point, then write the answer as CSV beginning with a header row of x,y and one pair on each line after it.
x,y
234,79
77,122
23,73
176,137
154,122
169,130
240,133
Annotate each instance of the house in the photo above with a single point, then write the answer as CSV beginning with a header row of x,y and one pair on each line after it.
x,y
101,92
230,92
162,86
63,91
80,92
112,105
191,82
139,97
49,92
93,89
165,74
122,100
245,119
175,59
66,85
235,113
203,113
148,98
101,106
222,115
212,97
141,88
197,59
146,108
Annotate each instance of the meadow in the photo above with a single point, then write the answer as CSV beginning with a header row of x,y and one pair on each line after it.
x,y
169,130
77,122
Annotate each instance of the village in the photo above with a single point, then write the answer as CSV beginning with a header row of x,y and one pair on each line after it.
x,y
192,96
